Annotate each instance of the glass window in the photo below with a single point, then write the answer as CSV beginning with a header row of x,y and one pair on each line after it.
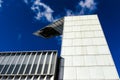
x,y
36,77
1,66
10,78
4,77
29,77
40,68
22,69
10,69
48,77
28,69
34,68
23,77
0,77
46,69
5,69
42,77
17,77
16,69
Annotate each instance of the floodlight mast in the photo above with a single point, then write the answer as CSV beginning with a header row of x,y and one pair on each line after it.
x,y
54,29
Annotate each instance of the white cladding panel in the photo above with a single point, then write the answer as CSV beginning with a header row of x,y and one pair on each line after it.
x,y
85,53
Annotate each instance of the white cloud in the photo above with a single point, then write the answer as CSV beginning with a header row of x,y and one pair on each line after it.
x,y
41,10
69,12
44,12
90,5
26,1
83,7
1,3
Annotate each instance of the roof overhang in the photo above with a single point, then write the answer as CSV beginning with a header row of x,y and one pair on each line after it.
x,y
51,30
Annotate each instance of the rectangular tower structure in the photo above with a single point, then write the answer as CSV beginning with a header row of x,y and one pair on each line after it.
x,y
85,53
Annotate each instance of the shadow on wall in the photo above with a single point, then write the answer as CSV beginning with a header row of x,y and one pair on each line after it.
x,y
59,69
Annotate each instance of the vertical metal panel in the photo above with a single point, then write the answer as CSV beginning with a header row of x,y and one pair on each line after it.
x,y
38,63
33,61
3,71
17,64
27,63
52,71
41,63
50,63
1,57
16,61
47,63
37,60
9,70
44,63
24,64
1,63
21,63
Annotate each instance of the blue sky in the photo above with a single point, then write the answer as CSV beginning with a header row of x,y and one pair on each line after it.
x,y
20,18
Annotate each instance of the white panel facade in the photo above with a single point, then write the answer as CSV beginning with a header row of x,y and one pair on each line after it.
x,y
85,53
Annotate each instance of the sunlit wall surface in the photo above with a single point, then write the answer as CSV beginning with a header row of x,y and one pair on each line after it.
x,y
85,53
35,65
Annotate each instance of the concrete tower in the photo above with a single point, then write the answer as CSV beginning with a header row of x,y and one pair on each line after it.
x,y
85,53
